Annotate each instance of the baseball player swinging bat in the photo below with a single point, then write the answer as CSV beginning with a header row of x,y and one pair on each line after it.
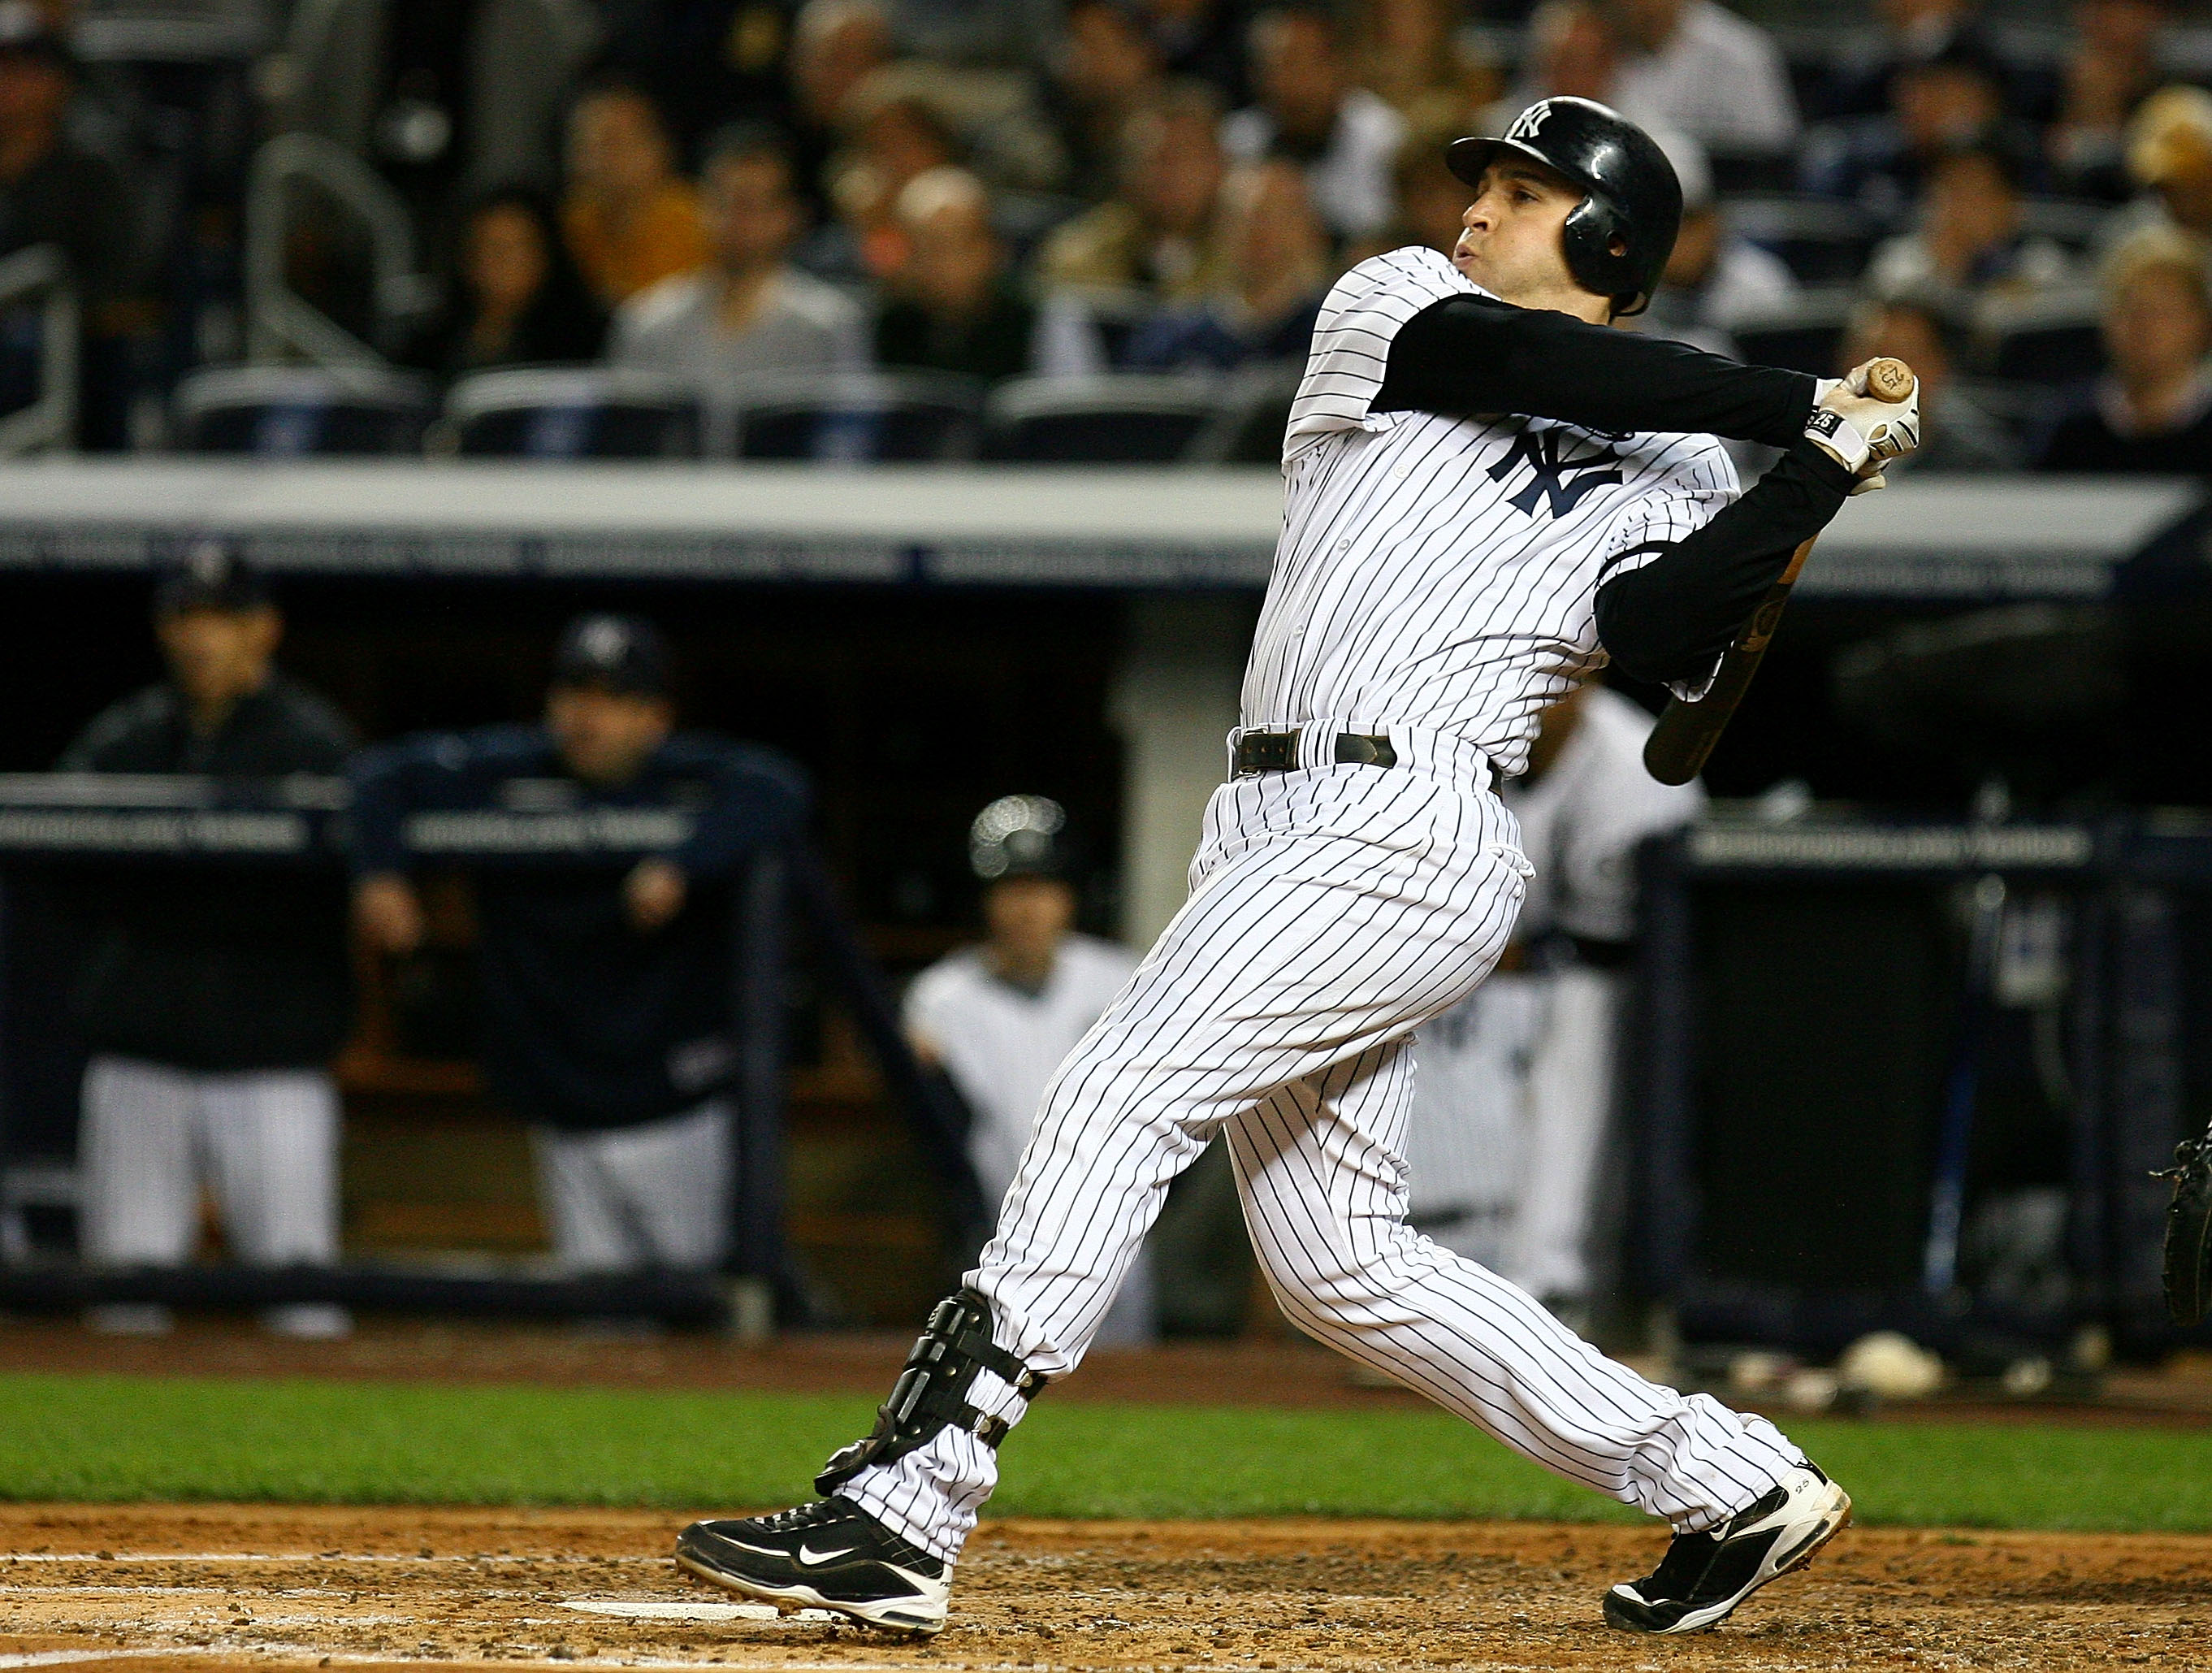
x,y
1490,494
1675,751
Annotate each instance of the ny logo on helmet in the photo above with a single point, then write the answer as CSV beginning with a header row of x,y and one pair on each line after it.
x,y
1526,125
1563,481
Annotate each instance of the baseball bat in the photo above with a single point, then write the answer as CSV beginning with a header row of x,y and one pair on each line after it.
x,y
1675,751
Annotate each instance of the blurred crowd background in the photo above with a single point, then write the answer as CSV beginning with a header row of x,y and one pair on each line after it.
x,y
722,200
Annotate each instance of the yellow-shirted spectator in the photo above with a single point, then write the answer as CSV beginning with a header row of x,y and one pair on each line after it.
x,y
630,218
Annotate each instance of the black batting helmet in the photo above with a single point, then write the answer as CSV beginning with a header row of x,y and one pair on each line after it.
x,y
1632,198
1023,837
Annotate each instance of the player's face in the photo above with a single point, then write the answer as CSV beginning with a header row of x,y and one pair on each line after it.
x,y
218,656
605,737
1510,240
1027,916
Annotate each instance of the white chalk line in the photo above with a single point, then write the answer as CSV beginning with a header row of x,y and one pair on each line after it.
x,y
628,1608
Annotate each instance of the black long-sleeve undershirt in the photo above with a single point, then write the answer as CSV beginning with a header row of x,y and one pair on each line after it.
x,y
1468,354
1671,618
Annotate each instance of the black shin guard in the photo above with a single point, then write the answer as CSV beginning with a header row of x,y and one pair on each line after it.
x,y
930,1395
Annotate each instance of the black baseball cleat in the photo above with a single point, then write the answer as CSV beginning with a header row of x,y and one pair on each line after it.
x,y
830,1555
1705,1576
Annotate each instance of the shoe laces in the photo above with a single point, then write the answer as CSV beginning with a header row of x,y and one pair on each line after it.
x,y
815,1515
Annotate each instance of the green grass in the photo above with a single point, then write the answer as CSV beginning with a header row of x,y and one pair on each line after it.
x,y
108,1439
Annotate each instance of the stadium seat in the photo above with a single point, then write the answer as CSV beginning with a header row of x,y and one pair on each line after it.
x,y
854,416
1249,418
2050,339
1118,418
2072,222
560,412
288,411
1822,241
1805,335
1753,171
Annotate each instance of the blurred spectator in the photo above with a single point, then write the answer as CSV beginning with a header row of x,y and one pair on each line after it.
x,y
2111,67
898,134
1108,70
1000,1018
1909,32
1956,98
1308,110
1152,236
1695,66
1715,278
2152,412
53,191
1571,52
2170,155
523,302
1010,34
705,62
1205,40
1957,432
1275,270
1431,198
605,1017
748,310
630,220
952,307
1415,63
213,1007
835,46
906,118
442,94
1970,241
859,245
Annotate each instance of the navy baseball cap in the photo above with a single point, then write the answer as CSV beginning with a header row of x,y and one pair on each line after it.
x,y
619,654
212,574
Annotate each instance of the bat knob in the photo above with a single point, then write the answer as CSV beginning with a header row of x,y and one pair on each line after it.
x,y
1888,379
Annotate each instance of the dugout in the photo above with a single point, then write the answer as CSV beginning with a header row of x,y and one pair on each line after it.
x,y
922,641
1916,1076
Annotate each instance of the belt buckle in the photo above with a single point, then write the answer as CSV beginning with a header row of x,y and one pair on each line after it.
x,y
1260,752
1360,749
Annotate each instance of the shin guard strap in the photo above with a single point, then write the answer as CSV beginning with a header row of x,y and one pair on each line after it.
x,y
930,1395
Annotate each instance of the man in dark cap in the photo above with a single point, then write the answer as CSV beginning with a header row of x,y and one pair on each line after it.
x,y
213,1011
605,989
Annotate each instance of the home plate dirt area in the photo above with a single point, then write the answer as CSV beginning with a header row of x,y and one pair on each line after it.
x,y
193,1588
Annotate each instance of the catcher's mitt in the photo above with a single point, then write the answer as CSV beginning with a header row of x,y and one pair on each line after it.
x,y
2189,1231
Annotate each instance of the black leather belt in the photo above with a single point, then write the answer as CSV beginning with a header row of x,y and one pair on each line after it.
x,y
1277,751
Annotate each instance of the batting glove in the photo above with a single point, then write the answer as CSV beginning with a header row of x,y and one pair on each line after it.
x,y
1860,432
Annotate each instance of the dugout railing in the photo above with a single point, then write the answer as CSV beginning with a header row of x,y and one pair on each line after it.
x,y
56,823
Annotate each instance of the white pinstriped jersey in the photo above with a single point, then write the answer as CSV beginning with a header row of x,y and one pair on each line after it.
x,y
1443,573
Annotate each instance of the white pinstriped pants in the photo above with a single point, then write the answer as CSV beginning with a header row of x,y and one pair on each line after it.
x,y
1332,911
265,1141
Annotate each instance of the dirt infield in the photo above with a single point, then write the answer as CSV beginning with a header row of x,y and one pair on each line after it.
x,y
200,1588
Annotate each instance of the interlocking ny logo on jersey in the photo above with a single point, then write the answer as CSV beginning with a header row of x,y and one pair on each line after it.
x,y
1563,481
